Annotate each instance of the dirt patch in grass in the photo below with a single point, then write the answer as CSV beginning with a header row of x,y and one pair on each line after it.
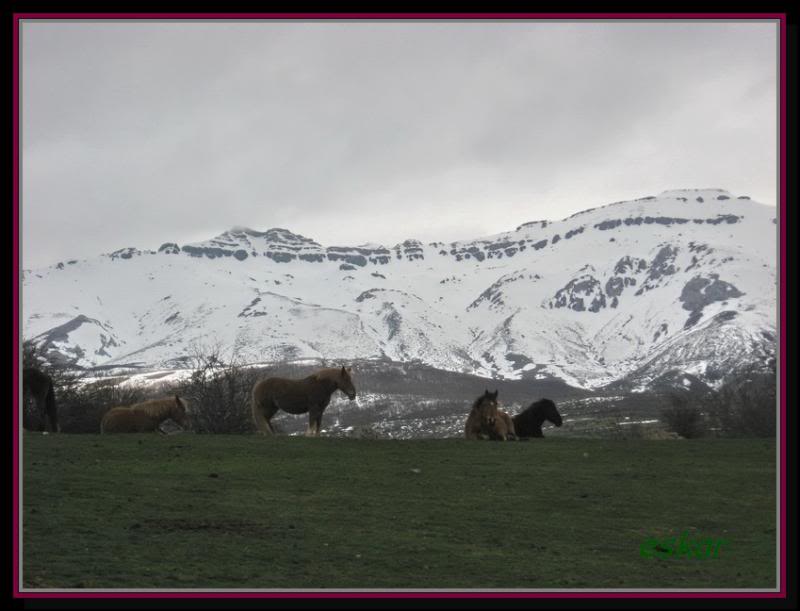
x,y
231,527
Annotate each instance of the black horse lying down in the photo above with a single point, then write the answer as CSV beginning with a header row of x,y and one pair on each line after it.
x,y
529,422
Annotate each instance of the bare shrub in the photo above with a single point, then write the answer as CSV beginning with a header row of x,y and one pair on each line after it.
x,y
219,393
684,417
746,406
606,428
634,430
32,356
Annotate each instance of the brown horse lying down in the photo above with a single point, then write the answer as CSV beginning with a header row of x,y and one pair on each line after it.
x,y
144,417
311,394
482,417
503,427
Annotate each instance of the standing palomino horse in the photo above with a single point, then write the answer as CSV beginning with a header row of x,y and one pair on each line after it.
x,y
311,394
144,417
40,385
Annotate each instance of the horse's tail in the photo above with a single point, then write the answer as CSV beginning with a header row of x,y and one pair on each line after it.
x,y
259,418
50,404
254,402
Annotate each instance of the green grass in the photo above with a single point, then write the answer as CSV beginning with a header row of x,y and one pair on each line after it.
x,y
218,511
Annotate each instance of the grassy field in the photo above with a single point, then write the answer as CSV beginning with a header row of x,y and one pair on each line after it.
x,y
225,512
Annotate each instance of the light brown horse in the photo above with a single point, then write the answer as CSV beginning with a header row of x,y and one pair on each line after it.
x,y
503,427
311,394
482,417
40,386
144,417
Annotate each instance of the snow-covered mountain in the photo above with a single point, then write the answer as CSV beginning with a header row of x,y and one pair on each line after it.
x,y
627,292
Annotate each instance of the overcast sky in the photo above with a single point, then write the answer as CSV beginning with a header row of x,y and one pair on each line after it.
x,y
138,133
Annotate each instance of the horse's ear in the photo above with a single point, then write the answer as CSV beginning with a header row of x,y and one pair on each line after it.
x,y
486,392
495,393
344,371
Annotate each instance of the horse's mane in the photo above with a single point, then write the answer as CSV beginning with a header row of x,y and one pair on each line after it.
x,y
535,413
158,408
330,373
339,377
477,404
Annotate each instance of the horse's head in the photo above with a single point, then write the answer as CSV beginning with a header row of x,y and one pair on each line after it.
x,y
550,412
345,383
178,412
487,406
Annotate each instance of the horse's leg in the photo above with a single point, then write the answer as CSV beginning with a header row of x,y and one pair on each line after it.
x,y
262,418
315,418
312,419
262,414
268,414
509,433
512,432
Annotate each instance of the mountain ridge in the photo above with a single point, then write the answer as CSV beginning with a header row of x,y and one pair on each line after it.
x,y
633,289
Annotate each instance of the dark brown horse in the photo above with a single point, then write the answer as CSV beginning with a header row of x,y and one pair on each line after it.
x,y
144,417
482,417
529,422
39,385
311,394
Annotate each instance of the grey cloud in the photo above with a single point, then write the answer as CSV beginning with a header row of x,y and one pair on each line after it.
x,y
138,133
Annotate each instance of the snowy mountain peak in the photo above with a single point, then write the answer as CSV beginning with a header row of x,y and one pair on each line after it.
x,y
276,235
697,195
626,291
